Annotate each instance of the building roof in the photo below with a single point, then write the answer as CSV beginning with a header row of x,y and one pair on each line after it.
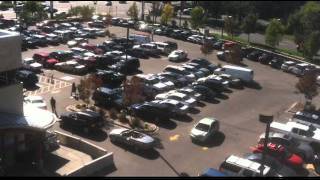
x,y
33,117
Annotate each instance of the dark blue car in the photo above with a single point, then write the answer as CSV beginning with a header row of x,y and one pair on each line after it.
x,y
212,173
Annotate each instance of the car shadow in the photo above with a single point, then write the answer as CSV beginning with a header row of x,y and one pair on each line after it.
x,y
97,135
138,71
254,85
222,96
157,143
216,140
212,101
150,154
167,124
106,170
201,104
302,172
194,111
237,87
32,87
184,118
228,91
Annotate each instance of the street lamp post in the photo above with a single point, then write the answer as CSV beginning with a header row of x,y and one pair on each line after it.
x,y
266,119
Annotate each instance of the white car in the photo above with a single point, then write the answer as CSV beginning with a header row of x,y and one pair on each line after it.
x,y
301,132
179,97
177,55
204,129
36,101
175,106
31,64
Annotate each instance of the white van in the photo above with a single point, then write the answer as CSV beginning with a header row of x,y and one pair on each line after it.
x,y
244,74
164,47
139,39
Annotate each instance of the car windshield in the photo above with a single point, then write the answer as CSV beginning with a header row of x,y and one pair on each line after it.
x,y
203,127
37,101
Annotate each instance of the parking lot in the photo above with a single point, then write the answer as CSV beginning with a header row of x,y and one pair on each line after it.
x,y
237,110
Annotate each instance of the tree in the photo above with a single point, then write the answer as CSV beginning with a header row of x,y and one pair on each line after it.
x,y
133,12
197,17
74,11
274,33
174,23
86,87
185,24
304,25
230,25
312,45
249,24
155,10
86,12
307,85
167,14
206,48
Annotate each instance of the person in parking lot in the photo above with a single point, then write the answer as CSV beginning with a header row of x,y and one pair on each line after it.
x,y
73,89
53,105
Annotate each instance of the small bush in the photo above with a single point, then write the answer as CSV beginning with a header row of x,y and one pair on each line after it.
x,y
113,113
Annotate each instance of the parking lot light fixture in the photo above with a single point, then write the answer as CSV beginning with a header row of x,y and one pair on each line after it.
x,y
266,119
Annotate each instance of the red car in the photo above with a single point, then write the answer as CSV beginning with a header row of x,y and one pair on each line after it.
x,y
281,153
89,47
44,59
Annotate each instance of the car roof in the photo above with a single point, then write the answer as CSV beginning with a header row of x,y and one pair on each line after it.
x,y
32,98
210,172
245,163
207,121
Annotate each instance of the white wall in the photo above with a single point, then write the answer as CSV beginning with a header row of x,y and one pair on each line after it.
x,y
11,99
10,51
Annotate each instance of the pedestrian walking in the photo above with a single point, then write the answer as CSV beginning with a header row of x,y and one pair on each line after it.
x,y
53,105
52,82
73,89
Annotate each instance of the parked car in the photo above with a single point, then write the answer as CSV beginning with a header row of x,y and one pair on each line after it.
x,y
307,118
272,162
72,67
304,150
151,111
276,63
31,64
300,69
265,58
138,140
210,172
213,84
163,47
244,74
189,101
233,82
281,153
96,24
53,39
177,55
238,166
36,101
181,71
254,55
190,92
285,66
110,77
172,45
87,120
61,55
137,52
205,92
76,41
205,129
28,78
176,107
104,96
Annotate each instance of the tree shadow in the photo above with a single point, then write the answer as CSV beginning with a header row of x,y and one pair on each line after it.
x,y
131,73
97,135
216,140
150,154
184,118
194,111
254,85
222,96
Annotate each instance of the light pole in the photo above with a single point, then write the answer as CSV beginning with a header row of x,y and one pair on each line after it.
x,y
51,9
142,10
266,119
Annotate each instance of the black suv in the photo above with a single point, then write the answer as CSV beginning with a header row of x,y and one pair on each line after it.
x,y
110,77
84,120
28,78
104,96
151,111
